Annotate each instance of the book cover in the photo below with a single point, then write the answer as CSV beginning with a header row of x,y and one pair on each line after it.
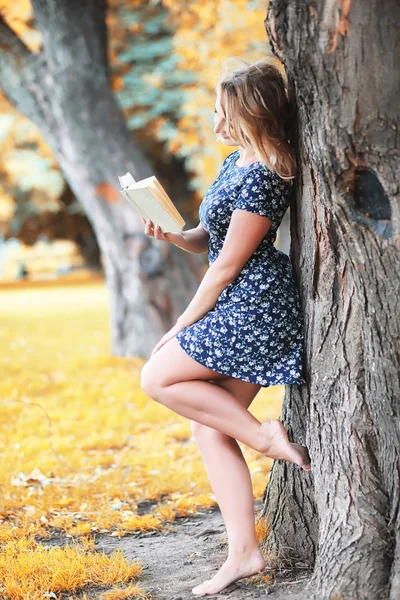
x,y
152,202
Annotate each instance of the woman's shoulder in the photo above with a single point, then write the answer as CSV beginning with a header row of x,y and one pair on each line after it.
x,y
259,178
256,173
263,173
228,159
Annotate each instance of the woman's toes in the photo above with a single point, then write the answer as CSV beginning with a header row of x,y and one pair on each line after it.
x,y
201,589
303,460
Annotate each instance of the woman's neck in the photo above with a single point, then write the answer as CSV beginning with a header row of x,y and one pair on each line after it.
x,y
246,157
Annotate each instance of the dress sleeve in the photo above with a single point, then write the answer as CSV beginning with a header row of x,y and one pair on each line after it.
x,y
264,193
226,162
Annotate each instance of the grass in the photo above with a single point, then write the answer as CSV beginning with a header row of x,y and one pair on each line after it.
x,y
81,445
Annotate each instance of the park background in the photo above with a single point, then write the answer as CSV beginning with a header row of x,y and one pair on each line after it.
x,y
83,450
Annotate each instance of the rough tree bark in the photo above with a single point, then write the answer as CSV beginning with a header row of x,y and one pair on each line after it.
x,y
342,63
65,90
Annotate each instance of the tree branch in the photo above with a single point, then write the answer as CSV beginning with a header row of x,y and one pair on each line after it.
x,y
74,32
17,66
10,43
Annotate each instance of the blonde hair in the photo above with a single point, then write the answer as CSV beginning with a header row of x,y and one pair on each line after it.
x,y
255,105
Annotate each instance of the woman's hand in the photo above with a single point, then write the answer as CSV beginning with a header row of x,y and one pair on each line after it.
x,y
168,336
170,236
155,231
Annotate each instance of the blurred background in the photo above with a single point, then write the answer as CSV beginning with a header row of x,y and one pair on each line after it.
x,y
164,58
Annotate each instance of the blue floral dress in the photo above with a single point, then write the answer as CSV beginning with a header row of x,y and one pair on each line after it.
x,y
255,330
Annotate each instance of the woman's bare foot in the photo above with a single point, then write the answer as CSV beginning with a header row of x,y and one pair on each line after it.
x,y
234,568
274,443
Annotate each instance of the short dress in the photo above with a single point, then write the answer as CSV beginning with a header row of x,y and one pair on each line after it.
x,y
255,330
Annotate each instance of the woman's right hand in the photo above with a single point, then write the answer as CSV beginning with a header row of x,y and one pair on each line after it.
x,y
155,231
172,237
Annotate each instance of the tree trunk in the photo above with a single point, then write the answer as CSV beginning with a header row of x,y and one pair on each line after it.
x,y
340,58
65,90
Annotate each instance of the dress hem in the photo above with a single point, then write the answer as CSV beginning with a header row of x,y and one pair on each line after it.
x,y
272,381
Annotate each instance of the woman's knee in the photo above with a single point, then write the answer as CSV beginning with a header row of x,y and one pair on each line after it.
x,y
149,381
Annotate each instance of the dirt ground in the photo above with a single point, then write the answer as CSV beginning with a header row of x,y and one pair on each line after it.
x,y
191,551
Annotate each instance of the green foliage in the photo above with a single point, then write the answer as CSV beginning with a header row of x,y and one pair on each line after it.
x,y
152,85
34,171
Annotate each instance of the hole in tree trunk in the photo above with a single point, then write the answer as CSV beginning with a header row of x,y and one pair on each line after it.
x,y
369,195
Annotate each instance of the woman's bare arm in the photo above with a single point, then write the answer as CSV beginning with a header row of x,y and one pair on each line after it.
x,y
193,240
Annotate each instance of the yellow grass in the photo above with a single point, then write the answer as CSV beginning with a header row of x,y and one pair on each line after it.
x,y
25,569
80,442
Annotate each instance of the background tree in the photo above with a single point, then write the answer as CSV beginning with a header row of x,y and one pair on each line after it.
x,y
32,181
65,90
342,62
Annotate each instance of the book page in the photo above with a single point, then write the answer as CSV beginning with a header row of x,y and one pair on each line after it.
x,y
126,180
149,207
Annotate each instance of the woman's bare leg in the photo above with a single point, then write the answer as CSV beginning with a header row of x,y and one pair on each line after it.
x,y
188,388
182,384
231,483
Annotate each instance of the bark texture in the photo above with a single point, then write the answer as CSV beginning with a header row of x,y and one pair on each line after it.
x,y
342,63
65,90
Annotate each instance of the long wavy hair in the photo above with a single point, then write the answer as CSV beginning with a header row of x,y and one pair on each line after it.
x,y
255,105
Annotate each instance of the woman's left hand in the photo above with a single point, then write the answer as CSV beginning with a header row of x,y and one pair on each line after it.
x,y
169,335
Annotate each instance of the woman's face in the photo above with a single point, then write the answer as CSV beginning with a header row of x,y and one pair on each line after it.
x,y
220,124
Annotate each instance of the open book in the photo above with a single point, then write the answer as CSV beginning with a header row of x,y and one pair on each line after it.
x,y
152,202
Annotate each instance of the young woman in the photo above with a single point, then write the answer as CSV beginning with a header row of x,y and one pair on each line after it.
x,y
243,329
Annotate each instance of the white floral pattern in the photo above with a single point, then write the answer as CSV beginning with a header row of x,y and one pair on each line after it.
x,y
255,330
